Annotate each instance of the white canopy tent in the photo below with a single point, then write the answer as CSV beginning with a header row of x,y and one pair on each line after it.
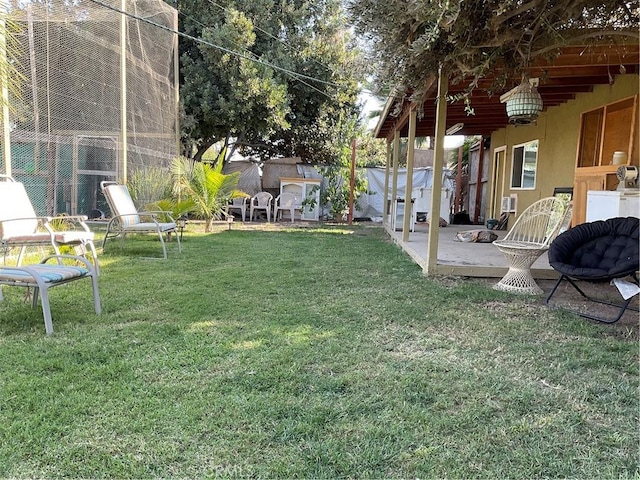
x,y
371,205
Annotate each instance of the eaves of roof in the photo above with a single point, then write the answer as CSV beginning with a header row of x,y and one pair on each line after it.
x,y
576,69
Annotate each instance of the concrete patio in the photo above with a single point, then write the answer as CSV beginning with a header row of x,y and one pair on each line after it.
x,y
464,258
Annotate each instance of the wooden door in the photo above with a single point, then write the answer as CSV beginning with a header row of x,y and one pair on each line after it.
x,y
580,188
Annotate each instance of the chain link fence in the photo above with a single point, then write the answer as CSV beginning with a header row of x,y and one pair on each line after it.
x,y
99,98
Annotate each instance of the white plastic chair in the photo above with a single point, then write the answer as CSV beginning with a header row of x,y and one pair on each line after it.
x,y
125,217
20,227
261,201
238,203
529,238
286,201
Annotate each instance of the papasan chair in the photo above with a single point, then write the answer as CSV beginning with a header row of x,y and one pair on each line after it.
x,y
597,251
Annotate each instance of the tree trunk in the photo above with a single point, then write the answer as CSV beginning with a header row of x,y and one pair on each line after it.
x,y
202,149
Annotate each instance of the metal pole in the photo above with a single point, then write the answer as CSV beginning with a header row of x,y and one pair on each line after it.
x,y
4,81
176,80
123,90
34,88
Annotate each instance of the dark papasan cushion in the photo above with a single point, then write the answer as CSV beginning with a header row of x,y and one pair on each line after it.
x,y
598,251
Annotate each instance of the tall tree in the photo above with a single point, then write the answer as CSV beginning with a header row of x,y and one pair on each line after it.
x,y
410,40
272,77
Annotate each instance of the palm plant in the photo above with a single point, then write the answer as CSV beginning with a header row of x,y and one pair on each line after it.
x,y
204,187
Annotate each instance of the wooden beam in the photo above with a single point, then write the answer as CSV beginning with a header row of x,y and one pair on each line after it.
x,y
402,121
458,197
408,210
478,199
479,271
385,206
394,184
436,184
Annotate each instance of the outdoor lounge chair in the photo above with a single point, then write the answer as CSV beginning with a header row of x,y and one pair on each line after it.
x,y
529,238
126,219
597,252
21,228
286,201
43,276
261,201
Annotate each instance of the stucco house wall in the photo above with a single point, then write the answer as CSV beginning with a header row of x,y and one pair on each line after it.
x,y
557,130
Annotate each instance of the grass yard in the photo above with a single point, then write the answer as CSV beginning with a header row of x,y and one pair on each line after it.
x,y
308,353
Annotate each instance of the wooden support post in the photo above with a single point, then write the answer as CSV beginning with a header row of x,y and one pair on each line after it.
x,y
394,184
385,205
431,265
352,182
478,199
458,200
408,189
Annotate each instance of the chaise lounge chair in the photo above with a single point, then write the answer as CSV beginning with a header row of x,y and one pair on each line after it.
x,y
126,219
21,228
43,276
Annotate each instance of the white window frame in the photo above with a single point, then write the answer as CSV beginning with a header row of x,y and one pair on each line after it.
x,y
519,160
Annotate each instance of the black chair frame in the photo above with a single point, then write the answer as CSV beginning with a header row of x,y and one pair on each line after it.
x,y
597,252
622,307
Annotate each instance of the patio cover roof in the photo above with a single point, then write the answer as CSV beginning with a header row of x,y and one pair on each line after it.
x,y
575,69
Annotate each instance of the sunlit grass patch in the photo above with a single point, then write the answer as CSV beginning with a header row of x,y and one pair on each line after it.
x,y
300,352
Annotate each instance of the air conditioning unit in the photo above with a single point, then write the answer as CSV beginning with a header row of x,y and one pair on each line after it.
x,y
509,204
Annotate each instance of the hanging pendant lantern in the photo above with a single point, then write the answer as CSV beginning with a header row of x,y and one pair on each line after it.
x,y
524,104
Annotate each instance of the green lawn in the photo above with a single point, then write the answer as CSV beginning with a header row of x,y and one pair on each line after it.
x,y
315,353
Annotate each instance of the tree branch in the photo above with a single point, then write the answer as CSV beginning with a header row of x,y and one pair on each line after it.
x,y
577,39
500,18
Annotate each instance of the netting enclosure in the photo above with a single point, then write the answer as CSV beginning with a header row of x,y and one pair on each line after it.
x,y
99,98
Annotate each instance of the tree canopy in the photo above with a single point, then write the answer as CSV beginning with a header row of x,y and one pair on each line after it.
x,y
269,78
410,40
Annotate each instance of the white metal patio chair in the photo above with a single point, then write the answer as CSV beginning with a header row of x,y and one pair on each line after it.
x,y
20,227
43,276
529,238
261,201
126,219
286,202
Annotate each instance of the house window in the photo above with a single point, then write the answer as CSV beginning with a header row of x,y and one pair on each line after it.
x,y
525,160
